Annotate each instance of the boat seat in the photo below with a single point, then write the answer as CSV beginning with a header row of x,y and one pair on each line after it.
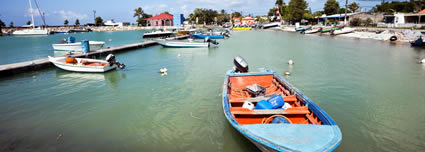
x,y
291,98
294,110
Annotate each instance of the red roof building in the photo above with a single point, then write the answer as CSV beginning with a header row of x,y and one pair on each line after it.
x,y
422,12
161,20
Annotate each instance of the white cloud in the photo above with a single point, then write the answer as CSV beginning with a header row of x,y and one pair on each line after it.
x,y
34,11
156,9
70,15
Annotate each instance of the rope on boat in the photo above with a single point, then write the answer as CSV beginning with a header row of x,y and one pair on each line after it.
x,y
266,121
195,117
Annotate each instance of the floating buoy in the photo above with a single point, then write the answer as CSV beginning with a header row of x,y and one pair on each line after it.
x,y
423,61
290,62
163,70
287,73
179,55
110,40
393,38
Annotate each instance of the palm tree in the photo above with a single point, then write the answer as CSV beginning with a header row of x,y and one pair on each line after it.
x,y
138,12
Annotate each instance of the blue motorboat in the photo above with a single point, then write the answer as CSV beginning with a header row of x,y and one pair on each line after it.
x,y
273,114
301,28
203,36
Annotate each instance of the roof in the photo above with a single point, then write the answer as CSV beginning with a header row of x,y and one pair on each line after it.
x,y
422,12
162,16
337,15
248,18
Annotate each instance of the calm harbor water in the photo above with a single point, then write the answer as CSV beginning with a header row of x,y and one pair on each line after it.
x,y
25,48
374,90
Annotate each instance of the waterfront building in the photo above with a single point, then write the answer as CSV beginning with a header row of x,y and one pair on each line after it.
x,y
236,21
163,19
248,20
404,20
178,19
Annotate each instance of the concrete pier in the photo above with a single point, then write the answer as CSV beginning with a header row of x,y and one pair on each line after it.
x,y
16,68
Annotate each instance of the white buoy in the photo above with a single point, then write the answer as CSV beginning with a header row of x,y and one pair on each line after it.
x,y
163,70
110,40
423,61
179,55
287,73
290,62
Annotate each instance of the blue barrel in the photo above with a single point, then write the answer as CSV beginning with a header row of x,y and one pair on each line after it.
x,y
263,104
276,101
71,39
85,47
279,120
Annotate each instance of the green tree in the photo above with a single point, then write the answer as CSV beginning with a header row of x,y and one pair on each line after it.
x,y
296,10
1,26
367,22
342,11
11,25
391,7
353,6
65,22
77,22
204,15
236,14
29,23
141,16
355,22
318,13
98,21
331,7
223,17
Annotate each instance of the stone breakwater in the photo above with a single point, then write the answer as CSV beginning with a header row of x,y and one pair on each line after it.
x,y
384,34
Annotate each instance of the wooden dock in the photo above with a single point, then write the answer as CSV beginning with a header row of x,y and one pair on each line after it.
x,y
16,68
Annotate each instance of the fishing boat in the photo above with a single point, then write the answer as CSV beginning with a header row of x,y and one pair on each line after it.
x,y
342,31
203,36
86,65
312,31
300,28
242,28
157,34
273,114
418,42
189,43
71,45
332,28
33,30
270,25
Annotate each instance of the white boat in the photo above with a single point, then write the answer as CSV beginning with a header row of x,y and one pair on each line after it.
x,y
94,45
189,43
270,25
157,34
312,31
33,30
342,31
86,65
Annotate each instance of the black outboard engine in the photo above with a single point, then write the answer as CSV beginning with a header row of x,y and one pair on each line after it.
x,y
111,60
226,34
241,64
207,39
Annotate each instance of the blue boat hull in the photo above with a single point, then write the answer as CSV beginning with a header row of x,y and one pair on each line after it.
x,y
201,36
286,137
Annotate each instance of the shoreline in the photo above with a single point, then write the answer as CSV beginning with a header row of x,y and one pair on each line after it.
x,y
403,35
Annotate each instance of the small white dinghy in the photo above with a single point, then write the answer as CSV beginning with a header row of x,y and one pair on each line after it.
x,y
86,65
94,45
189,43
312,31
342,31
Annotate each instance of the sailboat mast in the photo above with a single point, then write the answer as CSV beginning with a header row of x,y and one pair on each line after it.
x,y
32,15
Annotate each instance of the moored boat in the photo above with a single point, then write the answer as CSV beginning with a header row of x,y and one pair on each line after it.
x,y
86,65
157,34
324,30
203,36
312,31
189,43
301,28
242,28
342,31
271,25
76,46
33,30
273,114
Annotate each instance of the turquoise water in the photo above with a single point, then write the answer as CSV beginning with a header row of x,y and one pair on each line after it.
x,y
374,91
25,48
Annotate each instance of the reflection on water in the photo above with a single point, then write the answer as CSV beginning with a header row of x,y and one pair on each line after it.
x,y
112,77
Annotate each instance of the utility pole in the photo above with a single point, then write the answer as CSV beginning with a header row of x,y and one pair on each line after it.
x,y
94,16
345,16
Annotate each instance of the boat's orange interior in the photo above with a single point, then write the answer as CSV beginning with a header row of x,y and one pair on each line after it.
x,y
87,63
297,114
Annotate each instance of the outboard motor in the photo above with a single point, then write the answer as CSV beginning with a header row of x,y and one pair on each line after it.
x,y
207,39
240,64
111,60
226,35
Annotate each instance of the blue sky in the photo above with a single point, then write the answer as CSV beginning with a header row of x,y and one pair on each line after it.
x,y
122,10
